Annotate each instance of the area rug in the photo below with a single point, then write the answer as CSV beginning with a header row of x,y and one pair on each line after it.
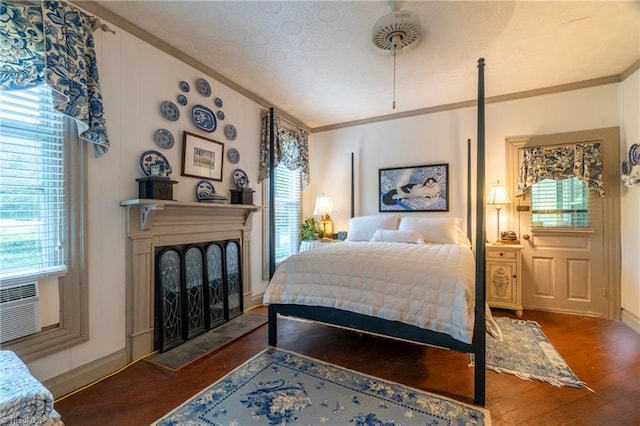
x,y
526,352
209,342
279,387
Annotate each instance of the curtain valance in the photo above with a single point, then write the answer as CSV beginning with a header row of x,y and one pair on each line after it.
x,y
291,148
583,160
53,44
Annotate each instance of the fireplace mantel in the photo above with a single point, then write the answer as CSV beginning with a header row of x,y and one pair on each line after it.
x,y
159,223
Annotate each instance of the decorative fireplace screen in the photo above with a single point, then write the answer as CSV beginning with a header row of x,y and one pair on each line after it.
x,y
198,287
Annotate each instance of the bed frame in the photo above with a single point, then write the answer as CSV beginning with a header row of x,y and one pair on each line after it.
x,y
412,333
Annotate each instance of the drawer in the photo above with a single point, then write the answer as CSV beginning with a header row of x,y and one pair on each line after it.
x,y
497,254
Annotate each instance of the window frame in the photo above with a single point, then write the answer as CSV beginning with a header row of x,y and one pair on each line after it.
x,y
73,327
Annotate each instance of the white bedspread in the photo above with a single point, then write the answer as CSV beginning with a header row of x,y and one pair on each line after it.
x,y
431,286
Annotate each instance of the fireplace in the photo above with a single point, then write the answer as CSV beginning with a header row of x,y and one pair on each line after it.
x,y
159,226
197,288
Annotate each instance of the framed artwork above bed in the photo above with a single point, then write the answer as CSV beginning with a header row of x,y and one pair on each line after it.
x,y
416,188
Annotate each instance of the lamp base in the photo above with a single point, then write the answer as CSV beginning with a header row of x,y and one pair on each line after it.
x,y
327,226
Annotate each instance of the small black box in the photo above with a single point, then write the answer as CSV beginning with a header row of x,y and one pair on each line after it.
x,y
157,188
242,196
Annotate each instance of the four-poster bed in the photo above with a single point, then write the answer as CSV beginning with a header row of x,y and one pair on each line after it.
x,y
468,283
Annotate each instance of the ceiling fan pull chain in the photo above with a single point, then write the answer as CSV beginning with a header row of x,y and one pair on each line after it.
x,y
393,105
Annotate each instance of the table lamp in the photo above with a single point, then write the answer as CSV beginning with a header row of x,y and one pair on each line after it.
x,y
497,197
324,206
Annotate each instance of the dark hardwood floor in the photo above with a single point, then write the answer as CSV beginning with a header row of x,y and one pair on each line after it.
x,y
603,353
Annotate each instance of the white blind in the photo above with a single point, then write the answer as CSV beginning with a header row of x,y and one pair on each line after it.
x,y
560,203
287,212
32,185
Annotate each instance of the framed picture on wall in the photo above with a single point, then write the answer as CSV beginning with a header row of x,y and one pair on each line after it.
x,y
416,188
201,157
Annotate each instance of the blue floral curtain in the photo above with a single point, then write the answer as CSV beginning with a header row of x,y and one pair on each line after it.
x,y
53,44
583,160
291,149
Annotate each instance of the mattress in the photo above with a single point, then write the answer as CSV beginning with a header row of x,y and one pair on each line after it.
x,y
427,285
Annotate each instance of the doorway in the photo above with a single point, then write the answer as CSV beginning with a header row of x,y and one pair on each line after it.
x,y
571,255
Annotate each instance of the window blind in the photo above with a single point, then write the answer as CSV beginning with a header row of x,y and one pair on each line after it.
x,y
287,212
32,185
563,203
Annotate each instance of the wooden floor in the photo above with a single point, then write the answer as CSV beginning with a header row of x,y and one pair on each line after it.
x,y
605,354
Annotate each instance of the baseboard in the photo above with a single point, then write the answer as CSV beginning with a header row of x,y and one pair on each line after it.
x,y
631,320
86,374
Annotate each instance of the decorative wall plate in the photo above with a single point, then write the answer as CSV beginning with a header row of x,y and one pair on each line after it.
x,y
150,158
233,155
626,167
184,86
164,138
182,99
203,87
204,190
230,132
220,115
240,179
204,118
169,110
218,102
634,154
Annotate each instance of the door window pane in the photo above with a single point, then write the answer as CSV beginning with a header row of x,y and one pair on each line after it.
x,y
560,203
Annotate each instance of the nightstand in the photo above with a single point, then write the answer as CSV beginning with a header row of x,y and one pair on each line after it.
x,y
306,245
503,265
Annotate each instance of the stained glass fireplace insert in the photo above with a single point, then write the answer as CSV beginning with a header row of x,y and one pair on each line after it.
x,y
198,287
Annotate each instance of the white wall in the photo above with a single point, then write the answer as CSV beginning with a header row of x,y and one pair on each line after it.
x,y
136,78
630,134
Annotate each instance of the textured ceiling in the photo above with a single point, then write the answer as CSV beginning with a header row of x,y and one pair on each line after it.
x,y
315,61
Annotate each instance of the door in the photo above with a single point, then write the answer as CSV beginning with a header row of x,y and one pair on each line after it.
x,y
569,232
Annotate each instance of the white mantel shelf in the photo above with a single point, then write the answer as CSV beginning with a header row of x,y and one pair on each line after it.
x,y
149,207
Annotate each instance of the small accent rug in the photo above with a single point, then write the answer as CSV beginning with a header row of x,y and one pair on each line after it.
x,y
527,353
279,387
207,343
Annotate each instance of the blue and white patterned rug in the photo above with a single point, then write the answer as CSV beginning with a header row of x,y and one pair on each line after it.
x,y
278,387
526,352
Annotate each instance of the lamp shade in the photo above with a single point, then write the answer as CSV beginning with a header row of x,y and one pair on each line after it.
x,y
324,205
498,195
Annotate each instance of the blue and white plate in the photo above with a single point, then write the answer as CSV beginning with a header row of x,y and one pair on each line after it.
x,y
240,179
169,110
164,138
184,86
182,99
230,132
203,86
204,190
151,158
233,155
634,154
204,118
220,115
218,102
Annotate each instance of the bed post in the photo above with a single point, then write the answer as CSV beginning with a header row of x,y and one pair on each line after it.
x,y
353,209
469,189
479,334
273,326
272,192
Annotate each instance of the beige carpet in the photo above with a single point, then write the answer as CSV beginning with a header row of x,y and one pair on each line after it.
x,y
209,342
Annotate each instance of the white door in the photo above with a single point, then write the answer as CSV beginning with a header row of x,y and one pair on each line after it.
x,y
569,263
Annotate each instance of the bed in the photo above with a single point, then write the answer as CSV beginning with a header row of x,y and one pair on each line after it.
x,y
434,292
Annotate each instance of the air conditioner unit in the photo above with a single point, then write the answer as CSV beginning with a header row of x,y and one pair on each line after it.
x,y
19,311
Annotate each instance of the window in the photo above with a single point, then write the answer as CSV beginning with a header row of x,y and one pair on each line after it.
x,y
42,210
32,189
560,203
287,206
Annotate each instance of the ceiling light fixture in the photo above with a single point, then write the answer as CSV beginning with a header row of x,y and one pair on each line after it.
x,y
394,32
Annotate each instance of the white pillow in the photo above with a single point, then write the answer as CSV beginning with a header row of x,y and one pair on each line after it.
x,y
462,238
394,236
433,230
362,228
